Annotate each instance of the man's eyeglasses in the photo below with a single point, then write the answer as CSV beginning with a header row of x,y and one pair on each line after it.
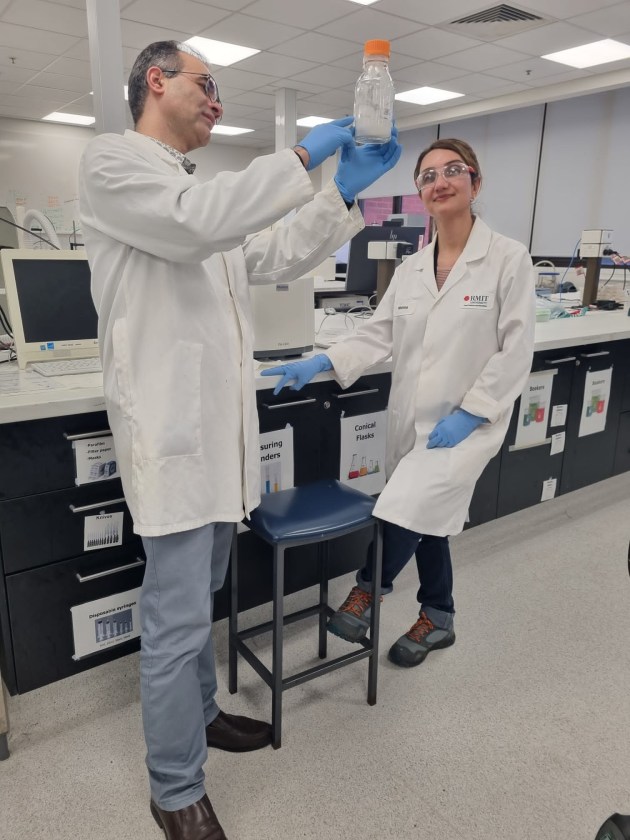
x,y
211,88
428,177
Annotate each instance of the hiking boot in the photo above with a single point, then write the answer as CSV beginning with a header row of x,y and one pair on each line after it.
x,y
412,648
352,620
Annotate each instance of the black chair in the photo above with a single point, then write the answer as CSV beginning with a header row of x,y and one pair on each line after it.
x,y
313,513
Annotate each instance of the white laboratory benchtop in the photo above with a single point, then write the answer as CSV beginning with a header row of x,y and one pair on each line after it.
x,y
83,393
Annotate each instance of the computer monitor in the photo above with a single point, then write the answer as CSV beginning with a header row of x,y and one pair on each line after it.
x,y
361,273
50,305
8,231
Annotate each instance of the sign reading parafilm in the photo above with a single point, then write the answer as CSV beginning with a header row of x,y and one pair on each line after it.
x,y
362,463
95,459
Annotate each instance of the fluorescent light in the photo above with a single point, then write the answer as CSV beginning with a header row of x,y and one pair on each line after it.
x,y
589,55
309,122
230,129
73,119
364,2
426,95
219,52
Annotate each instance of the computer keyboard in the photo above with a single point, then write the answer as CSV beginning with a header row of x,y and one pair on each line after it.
x,y
63,367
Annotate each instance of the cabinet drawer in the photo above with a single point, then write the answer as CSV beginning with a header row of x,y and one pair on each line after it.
x,y
36,455
39,607
35,530
622,452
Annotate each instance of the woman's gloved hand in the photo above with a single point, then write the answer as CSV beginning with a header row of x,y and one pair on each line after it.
x,y
302,371
360,166
453,429
324,140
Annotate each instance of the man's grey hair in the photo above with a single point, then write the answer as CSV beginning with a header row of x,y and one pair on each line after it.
x,y
163,54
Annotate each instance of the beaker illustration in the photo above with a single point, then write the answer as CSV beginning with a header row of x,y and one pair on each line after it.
x,y
354,472
363,467
376,467
533,408
371,467
540,414
277,485
267,482
526,419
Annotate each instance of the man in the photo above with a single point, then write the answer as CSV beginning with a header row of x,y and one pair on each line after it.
x,y
170,272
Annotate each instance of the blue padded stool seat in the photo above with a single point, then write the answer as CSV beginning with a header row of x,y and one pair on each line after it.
x,y
313,513
317,511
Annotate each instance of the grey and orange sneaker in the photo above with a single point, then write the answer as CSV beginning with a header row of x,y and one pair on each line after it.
x,y
352,620
412,648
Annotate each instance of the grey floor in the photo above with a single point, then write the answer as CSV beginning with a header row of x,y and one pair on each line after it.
x,y
521,730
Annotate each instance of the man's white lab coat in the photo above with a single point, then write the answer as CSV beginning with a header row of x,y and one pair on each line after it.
x,y
170,274
469,345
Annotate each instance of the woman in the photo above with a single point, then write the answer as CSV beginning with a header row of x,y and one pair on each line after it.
x,y
458,320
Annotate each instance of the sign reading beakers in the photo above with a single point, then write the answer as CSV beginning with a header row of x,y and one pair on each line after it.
x,y
362,463
533,410
595,402
276,460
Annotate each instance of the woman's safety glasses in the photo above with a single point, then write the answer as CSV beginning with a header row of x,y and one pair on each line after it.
x,y
450,172
210,86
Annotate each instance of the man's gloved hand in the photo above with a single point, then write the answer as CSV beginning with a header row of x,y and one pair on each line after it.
x,y
324,140
451,430
360,166
302,371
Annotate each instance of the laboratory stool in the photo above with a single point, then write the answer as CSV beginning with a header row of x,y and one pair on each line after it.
x,y
313,513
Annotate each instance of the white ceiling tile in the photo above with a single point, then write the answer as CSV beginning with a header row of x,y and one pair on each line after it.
x,y
240,79
230,5
16,75
62,83
299,85
273,64
432,13
81,50
24,59
425,73
562,9
355,62
303,15
482,58
140,35
48,16
546,39
475,83
35,40
195,17
233,111
567,76
252,32
319,48
369,23
529,71
70,67
327,76
333,98
255,99
432,43
80,4
507,89
615,20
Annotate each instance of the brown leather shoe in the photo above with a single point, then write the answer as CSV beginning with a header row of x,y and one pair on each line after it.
x,y
236,733
195,822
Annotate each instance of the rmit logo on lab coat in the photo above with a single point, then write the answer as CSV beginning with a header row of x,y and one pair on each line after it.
x,y
477,302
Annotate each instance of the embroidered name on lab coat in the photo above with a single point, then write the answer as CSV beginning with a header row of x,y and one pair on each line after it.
x,y
477,302
405,307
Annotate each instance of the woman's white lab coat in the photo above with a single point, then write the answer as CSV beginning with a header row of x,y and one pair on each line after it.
x,y
469,345
170,274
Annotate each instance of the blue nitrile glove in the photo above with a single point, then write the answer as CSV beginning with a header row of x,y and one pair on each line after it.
x,y
451,430
360,166
302,371
324,140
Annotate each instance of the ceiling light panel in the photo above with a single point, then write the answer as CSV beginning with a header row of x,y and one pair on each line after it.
x,y
220,52
71,119
590,55
427,95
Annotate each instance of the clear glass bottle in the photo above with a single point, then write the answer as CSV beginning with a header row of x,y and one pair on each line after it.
x,y
374,96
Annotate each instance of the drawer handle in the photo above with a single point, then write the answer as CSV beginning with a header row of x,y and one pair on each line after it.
x,y
592,355
87,578
289,404
356,394
83,508
559,361
87,435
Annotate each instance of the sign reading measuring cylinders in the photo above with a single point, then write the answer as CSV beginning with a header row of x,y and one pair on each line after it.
x,y
276,460
362,462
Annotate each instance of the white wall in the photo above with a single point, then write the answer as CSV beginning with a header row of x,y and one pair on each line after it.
x,y
39,161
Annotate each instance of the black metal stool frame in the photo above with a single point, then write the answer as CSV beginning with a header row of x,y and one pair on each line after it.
x,y
274,678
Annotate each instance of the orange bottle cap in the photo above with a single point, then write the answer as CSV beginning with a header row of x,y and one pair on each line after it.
x,y
377,48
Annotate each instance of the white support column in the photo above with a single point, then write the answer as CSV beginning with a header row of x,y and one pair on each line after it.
x,y
106,62
286,116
